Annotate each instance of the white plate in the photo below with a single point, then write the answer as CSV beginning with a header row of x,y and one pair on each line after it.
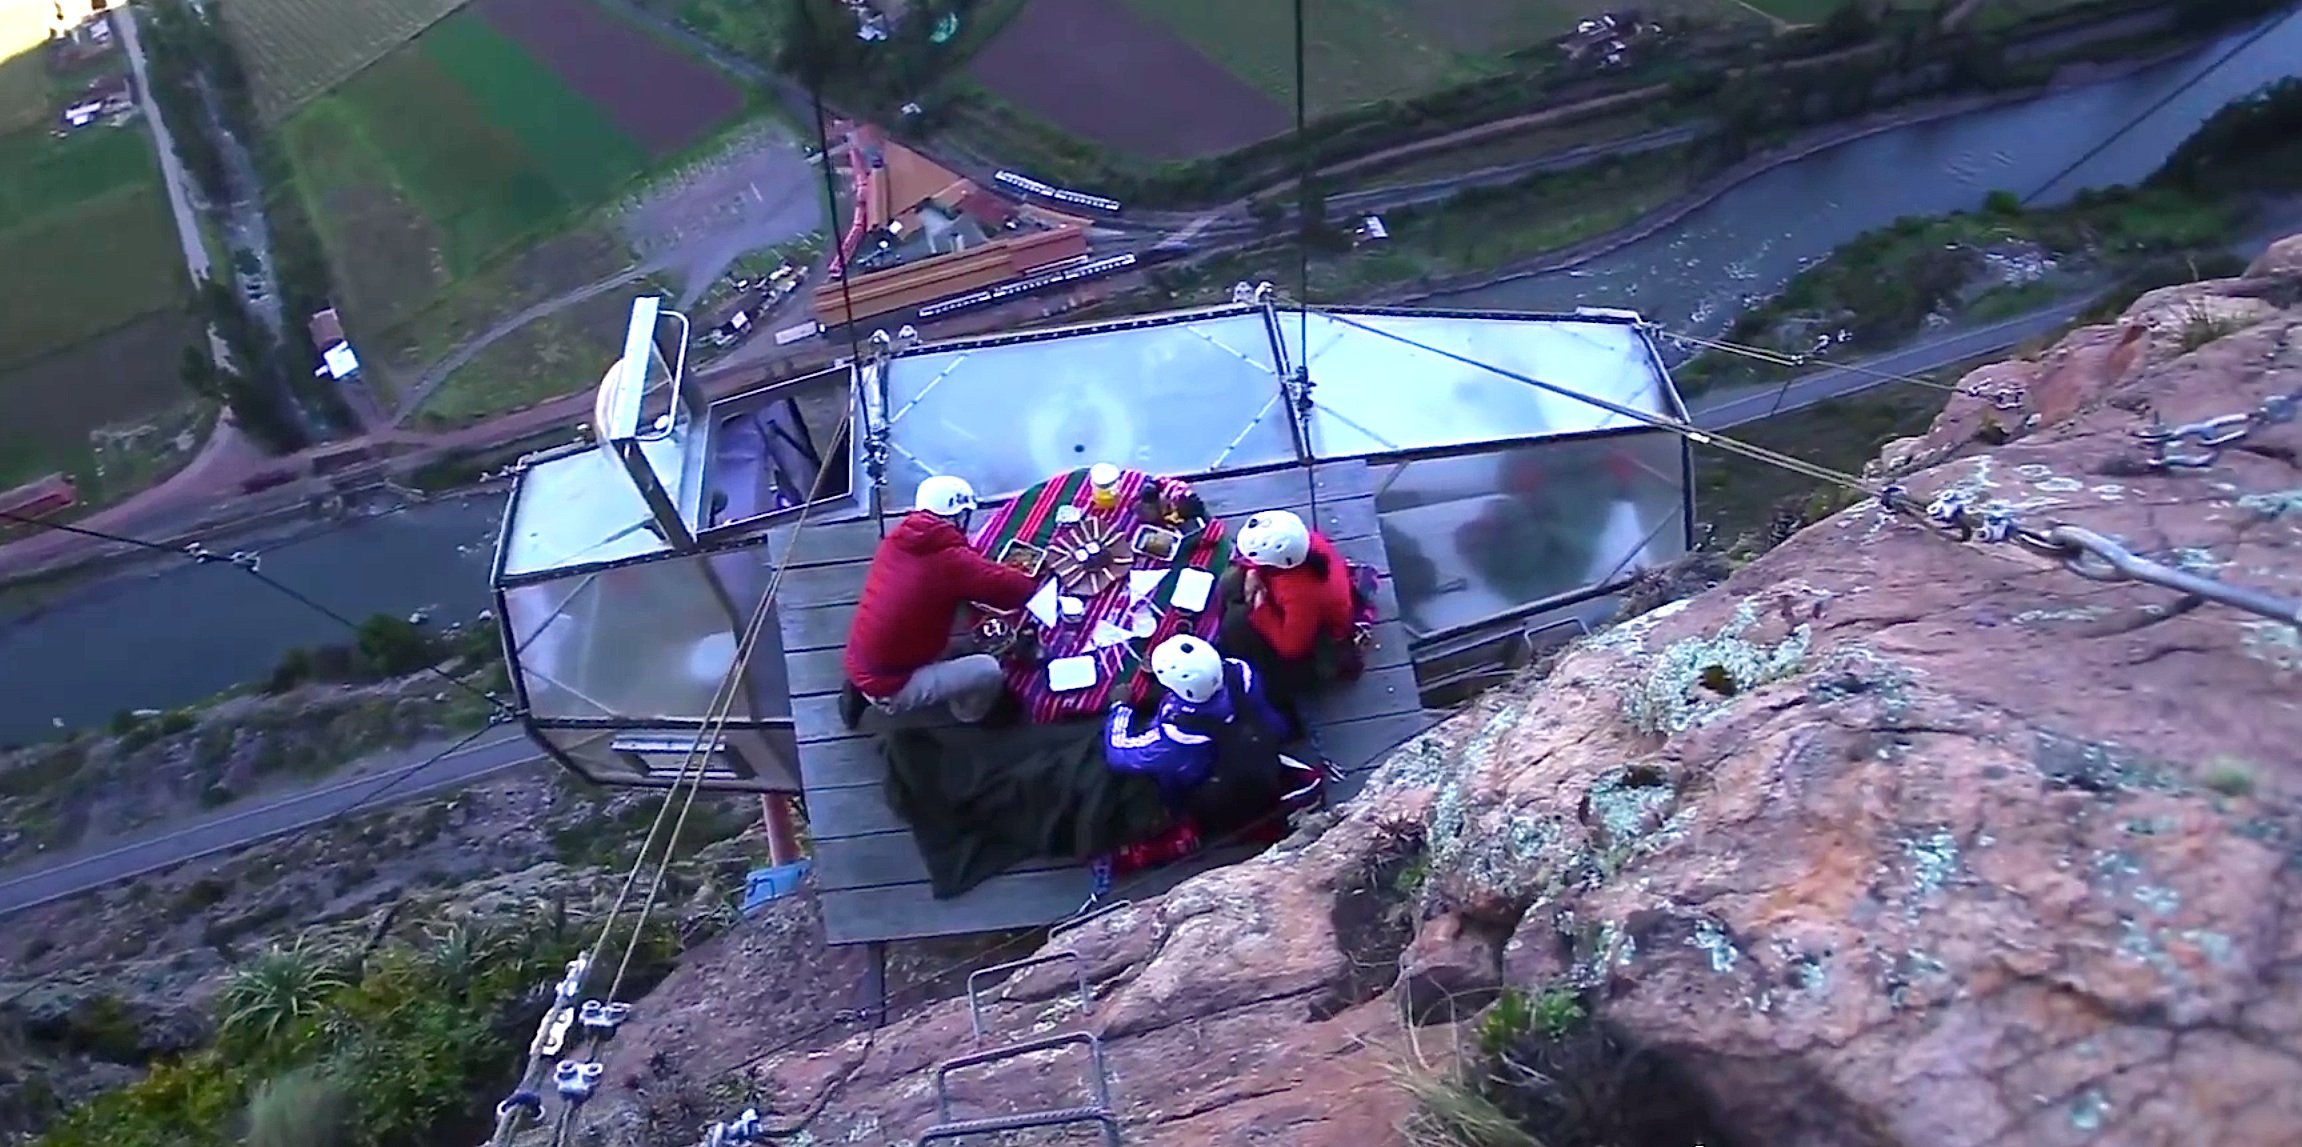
x,y
1066,674
1191,588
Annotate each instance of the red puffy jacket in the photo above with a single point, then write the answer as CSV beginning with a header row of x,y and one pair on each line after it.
x,y
924,571
1303,603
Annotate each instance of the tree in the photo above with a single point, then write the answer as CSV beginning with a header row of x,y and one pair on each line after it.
x,y
394,646
818,45
1312,202
199,375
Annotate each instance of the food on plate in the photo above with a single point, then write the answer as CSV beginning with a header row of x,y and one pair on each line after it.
x,y
1022,555
1156,542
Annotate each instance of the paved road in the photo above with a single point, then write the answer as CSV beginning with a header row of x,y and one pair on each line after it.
x,y
29,886
171,168
1738,405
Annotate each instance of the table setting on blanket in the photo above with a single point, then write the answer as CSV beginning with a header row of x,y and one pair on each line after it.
x,y
1121,568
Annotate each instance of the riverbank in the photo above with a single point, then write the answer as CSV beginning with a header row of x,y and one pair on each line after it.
x,y
1493,236
2233,179
1715,187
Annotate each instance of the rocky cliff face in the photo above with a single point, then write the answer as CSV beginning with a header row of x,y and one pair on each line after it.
x,y
1888,841
186,763
95,988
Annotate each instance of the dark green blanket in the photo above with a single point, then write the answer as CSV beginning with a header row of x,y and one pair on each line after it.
x,y
980,801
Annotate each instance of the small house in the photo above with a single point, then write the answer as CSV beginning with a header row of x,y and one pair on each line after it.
x,y
337,359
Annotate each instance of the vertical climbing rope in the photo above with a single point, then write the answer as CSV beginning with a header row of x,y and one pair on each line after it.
x,y
839,262
1299,385
576,1079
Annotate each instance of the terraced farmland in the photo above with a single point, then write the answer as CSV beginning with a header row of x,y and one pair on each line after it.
x,y
297,49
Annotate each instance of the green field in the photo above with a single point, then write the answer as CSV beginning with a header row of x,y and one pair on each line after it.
x,y
93,281
745,27
296,49
1354,51
433,168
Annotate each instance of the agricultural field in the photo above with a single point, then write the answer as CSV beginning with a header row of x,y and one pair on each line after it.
x,y
1176,79
296,49
94,326
452,181
1355,51
745,27
1142,90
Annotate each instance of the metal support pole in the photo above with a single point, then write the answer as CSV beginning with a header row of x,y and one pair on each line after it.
x,y
781,825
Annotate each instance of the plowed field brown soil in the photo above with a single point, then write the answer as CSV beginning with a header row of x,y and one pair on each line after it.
x,y
659,97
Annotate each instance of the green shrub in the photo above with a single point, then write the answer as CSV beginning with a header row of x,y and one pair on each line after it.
x,y
407,1048
302,1108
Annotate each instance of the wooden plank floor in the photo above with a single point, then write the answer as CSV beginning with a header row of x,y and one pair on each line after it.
x,y
872,883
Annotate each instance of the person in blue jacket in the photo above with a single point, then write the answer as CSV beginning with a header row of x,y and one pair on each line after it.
x,y
1212,743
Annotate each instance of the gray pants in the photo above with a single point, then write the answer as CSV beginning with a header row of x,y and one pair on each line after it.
x,y
971,684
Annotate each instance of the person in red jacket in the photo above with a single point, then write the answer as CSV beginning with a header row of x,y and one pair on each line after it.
x,y
1289,598
922,573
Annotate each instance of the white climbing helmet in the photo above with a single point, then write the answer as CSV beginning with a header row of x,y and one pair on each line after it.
x,y
1275,538
946,496
1188,667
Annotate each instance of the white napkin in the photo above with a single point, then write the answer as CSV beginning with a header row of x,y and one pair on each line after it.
x,y
1105,635
1140,583
1042,604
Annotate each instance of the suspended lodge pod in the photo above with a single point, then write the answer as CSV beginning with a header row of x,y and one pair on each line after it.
x,y
1448,449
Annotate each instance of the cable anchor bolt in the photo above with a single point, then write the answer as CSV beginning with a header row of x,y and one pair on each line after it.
x,y
1948,507
745,1128
576,1080
601,1019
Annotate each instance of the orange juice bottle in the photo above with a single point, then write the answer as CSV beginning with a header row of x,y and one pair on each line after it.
x,y
1103,480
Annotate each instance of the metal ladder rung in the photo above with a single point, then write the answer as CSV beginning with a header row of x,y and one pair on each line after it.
x,y
997,1123
975,1001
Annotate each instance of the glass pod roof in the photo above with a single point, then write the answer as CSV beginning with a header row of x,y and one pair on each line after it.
x,y
1202,392
1189,393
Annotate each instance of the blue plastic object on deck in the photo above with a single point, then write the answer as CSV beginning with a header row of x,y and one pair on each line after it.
x,y
765,884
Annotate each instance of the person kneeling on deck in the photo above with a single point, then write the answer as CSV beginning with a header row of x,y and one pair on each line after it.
x,y
1212,747
922,574
1289,605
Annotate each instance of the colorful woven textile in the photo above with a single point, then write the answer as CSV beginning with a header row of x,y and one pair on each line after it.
x,y
1121,670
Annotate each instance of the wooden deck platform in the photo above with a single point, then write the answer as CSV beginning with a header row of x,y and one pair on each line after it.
x,y
872,883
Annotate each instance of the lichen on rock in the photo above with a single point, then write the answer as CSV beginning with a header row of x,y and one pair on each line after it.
x,y
1695,676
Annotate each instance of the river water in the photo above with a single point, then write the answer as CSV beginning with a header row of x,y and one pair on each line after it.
x,y
1755,237
184,632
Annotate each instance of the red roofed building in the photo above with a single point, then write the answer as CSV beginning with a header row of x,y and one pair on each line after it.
x,y
985,208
